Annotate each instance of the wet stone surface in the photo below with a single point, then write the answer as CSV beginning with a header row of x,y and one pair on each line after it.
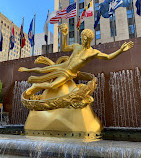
x,y
42,147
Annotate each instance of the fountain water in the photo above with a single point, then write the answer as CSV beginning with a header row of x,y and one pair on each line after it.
x,y
19,112
124,87
125,91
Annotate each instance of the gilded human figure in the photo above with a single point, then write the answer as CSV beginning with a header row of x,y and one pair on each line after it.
x,y
64,105
58,74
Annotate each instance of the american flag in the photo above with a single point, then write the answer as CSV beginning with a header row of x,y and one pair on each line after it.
x,y
68,12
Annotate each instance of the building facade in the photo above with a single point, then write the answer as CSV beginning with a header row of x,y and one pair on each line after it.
x,y
40,41
15,52
124,24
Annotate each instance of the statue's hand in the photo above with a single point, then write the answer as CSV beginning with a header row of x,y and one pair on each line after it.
x,y
39,60
126,46
22,69
64,29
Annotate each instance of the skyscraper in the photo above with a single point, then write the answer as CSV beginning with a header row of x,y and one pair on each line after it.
x,y
14,53
125,23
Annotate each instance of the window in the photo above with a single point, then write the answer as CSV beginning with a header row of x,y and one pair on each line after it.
x,y
58,46
71,21
81,29
96,6
98,35
130,13
71,34
131,20
71,28
60,6
113,25
131,29
81,5
97,29
71,41
71,1
80,11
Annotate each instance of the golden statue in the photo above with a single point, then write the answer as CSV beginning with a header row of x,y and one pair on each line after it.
x,y
60,91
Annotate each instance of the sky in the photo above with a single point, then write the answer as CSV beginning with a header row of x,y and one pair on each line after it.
x,y
15,10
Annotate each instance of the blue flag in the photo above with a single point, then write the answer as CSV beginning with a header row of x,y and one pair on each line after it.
x,y
12,39
108,7
119,3
103,10
138,5
97,19
46,27
30,33
1,40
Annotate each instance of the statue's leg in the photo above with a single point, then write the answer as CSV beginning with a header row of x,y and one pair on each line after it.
x,y
56,83
40,70
44,78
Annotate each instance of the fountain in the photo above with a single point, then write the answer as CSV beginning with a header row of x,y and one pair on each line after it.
x,y
60,120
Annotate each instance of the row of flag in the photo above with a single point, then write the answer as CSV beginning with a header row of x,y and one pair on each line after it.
x,y
22,36
106,9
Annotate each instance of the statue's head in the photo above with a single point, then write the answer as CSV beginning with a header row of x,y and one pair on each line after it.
x,y
87,36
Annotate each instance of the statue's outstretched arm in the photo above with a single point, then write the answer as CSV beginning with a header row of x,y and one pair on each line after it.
x,y
64,30
126,46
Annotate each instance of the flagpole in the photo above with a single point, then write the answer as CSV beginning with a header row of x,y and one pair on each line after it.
x,y
60,31
94,22
133,17
21,41
34,34
113,26
47,37
77,6
9,40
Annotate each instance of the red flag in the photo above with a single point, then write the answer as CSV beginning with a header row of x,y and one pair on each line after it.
x,y
22,37
87,12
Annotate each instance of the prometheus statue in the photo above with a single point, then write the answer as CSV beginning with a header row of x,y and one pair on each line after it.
x,y
60,91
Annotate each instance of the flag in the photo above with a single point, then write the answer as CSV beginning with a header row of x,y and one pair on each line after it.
x,y
46,27
118,3
97,18
30,33
52,18
108,7
22,37
1,40
87,12
138,5
71,10
68,12
104,8
12,38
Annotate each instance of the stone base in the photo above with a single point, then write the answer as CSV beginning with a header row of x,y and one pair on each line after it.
x,y
71,120
51,147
